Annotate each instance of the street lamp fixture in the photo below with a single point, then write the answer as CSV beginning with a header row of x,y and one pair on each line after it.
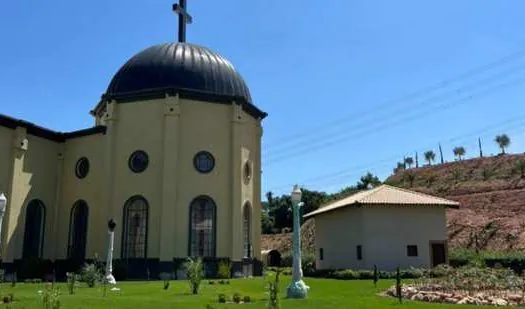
x,y
3,205
297,289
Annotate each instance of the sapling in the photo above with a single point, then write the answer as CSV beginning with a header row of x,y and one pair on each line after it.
x,y
273,287
376,275
398,286
194,274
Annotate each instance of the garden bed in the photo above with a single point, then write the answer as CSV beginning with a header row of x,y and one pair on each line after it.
x,y
466,285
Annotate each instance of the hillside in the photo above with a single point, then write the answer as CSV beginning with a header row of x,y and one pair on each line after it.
x,y
491,191
492,196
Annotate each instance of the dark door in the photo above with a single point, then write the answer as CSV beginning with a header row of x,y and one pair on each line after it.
x,y
438,254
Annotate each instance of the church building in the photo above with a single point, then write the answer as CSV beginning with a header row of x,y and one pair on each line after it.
x,y
173,157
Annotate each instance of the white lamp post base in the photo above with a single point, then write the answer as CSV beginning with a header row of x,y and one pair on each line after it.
x,y
297,289
110,279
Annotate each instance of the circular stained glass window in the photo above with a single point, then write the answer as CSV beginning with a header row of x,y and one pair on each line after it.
x,y
82,167
138,161
247,172
204,162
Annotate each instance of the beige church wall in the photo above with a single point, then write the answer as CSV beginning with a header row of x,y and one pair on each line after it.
x,y
33,176
388,230
206,126
138,126
6,139
339,233
251,192
88,189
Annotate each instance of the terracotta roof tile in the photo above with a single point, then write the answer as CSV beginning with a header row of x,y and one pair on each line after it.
x,y
385,195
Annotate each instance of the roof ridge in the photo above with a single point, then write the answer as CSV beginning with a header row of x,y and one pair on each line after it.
x,y
418,193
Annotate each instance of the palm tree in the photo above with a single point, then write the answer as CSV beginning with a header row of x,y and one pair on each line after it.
x,y
459,152
409,161
430,156
503,142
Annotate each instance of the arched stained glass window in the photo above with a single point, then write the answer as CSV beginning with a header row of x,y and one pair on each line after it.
x,y
78,224
135,232
247,229
202,227
34,230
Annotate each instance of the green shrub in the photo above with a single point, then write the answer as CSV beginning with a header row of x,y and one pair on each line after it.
x,y
307,260
222,298
236,298
6,300
211,282
194,273
246,299
224,271
90,274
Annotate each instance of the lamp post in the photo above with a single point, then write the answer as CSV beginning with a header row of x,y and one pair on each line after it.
x,y
297,289
109,262
3,204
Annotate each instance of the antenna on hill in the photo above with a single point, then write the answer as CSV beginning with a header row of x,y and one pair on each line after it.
x,y
480,151
441,153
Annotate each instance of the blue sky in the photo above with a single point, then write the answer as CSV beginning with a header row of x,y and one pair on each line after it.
x,y
349,86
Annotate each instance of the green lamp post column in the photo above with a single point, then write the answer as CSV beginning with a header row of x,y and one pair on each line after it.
x,y
297,289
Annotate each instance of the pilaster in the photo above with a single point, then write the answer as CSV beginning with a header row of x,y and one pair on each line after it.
x,y
236,184
55,242
111,120
256,208
172,236
10,238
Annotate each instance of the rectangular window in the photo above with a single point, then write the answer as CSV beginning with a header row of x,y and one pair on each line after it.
x,y
321,254
359,252
411,250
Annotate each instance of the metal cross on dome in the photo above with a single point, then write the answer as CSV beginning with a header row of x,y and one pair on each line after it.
x,y
184,18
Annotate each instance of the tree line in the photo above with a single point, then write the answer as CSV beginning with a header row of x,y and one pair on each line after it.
x,y
277,214
502,140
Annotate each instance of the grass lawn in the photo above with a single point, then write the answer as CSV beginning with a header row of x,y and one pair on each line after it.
x,y
324,293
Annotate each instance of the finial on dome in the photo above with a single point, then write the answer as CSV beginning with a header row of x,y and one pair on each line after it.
x,y
184,18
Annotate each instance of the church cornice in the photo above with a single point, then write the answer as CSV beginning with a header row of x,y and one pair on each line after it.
x,y
36,130
153,94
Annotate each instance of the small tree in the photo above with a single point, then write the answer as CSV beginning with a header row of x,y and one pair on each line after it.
x,y
459,152
398,285
376,275
409,161
194,274
410,178
273,291
430,156
503,142
520,166
430,180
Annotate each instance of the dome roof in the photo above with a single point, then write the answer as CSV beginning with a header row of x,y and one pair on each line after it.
x,y
188,69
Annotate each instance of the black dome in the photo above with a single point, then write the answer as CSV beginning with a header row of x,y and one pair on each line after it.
x,y
179,68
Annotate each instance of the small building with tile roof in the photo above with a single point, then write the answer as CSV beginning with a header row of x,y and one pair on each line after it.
x,y
385,226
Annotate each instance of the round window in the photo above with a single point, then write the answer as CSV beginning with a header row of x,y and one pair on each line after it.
x,y
82,167
204,162
138,161
247,172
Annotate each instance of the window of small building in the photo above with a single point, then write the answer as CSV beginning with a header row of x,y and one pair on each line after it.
x,y
138,161
321,254
359,252
82,168
411,250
